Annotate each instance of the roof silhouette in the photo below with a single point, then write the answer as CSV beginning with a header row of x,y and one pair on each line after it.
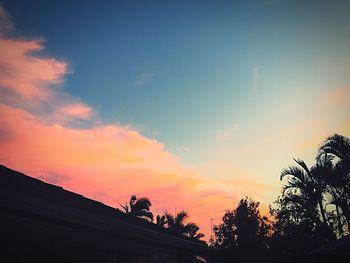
x,y
337,247
25,199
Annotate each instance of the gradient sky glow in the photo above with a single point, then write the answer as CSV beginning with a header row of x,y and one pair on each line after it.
x,y
194,104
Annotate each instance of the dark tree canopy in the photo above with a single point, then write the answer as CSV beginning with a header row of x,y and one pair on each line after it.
x,y
178,224
312,210
243,229
161,220
139,207
314,207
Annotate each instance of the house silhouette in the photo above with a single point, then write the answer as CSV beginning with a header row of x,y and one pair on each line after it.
x,y
41,222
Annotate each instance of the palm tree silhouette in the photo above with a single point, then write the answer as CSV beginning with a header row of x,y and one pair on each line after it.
x,y
177,224
305,185
337,149
139,207
192,231
161,220
339,146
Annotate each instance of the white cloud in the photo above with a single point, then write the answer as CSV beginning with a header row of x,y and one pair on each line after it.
x,y
143,79
255,72
226,133
185,149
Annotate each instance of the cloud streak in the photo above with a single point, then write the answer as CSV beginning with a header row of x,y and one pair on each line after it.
x,y
255,72
226,133
77,110
143,79
6,24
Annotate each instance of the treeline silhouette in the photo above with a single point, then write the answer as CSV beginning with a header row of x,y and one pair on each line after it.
x,y
140,207
312,210
314,207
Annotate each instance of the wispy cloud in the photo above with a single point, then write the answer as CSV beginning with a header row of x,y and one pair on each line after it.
x,y
255,78
271,2
5,21
226,133
77,110
185,148
143,79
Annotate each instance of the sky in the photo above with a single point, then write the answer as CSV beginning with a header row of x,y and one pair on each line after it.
x,y
194,104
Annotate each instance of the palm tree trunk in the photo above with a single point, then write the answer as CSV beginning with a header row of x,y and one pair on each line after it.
x,y
346,213
323,213
347,217
340,227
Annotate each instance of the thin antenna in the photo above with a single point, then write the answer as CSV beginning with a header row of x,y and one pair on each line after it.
x,y
211,227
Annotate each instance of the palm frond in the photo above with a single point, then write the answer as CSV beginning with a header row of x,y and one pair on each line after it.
x,y
325,160
294,184
169,219
161,220
337,145
181,217
303,165
199,236
146,215
125,208
295,172
142,203
132,200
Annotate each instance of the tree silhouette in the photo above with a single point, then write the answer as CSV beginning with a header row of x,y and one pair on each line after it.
x,y
161,220
177,224
297,229
336,148
139,207
300,211
193,231
305,186
243,229
315,203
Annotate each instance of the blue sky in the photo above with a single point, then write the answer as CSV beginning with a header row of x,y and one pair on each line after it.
x,y
236,83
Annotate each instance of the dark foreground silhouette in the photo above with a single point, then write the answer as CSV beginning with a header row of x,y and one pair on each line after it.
x,y
312,212
43,222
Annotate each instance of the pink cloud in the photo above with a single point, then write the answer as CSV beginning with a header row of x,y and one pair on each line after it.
x,y
25,75
105,162
77,110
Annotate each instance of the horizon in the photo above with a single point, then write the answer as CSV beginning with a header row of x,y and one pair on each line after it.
x,y
194,106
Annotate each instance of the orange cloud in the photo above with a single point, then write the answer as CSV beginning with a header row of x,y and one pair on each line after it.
x,y
105,162
77,110
339,97
333,109
27,76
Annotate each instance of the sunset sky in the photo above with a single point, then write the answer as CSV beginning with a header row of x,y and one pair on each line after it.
x,y
194,104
